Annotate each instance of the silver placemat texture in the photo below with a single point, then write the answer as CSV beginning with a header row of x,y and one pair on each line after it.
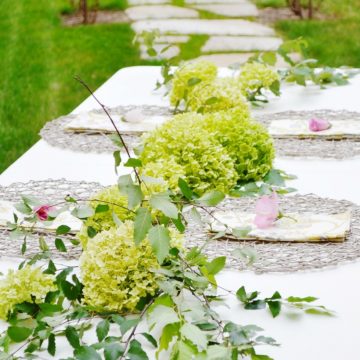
x,y
314,148
270,256
53,131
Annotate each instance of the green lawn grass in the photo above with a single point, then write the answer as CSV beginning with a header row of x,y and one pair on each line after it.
x,y
38,59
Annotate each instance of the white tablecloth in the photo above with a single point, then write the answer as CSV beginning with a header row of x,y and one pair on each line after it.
x,y
305,337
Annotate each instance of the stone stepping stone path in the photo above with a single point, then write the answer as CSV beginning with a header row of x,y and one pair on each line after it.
x,y
232,37
204,27
159,12
232,10
241,43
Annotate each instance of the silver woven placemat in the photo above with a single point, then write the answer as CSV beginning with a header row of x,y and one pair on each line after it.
x,y
314,148
50,192
53,131
271,256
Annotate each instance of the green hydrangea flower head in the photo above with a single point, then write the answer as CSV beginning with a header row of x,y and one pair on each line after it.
x,y
246,141
210,151
115,272
204,71
254,76
183,144
220,94
27,284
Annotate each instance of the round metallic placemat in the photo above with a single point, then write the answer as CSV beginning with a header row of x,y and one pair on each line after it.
x,y
270,256
53,131
314,148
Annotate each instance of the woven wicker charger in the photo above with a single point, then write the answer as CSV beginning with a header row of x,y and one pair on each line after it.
x,y
53,131
271,256
314,148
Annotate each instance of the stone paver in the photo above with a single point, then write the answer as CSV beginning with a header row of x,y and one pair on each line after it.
x,y
147,2
216,1
241,43
237,58
159,12
207,27
169,53
233,10
169,39
226,59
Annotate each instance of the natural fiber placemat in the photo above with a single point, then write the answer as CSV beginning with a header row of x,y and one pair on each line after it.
x,y
53,132
314,148
51,192
270,256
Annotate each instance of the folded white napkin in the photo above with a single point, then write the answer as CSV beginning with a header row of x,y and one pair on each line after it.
x,y
300,128
131,123
307,227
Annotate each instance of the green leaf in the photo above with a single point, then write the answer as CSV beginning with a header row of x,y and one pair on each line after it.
x,y
168,333
308,299
185,189
91,232
136,352
193,81
102,329
269,57
128,324
51,345
117,159
195,335
135,196
212,100
195,216
83,212
101,208
113,351
150,339
159,238
216,265
72,336
142,224
246,253
18,334
70,290
86,353
50,309
241,294
273,177
211,198
42,243
163,203
275,308
218,352
62,229
133,162
60,245
116,141
161,316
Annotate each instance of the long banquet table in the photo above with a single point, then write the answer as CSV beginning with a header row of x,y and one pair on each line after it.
x,y
303,337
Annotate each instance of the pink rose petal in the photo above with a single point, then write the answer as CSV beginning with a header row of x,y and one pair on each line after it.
x,y
318,124
266,210
42,212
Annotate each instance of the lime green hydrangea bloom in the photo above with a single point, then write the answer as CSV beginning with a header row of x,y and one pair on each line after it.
x,y
203,70
27,284
211,151
184,145
255,75
220,94
115,272
247,142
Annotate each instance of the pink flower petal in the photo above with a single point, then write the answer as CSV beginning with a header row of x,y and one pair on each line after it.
x,y
266,210
42,212
318,124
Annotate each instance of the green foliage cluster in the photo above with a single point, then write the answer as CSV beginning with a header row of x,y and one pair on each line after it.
x,y
211,151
